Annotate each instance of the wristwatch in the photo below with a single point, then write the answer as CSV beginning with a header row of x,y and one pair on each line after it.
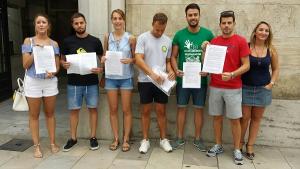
x,y
231,75
273,83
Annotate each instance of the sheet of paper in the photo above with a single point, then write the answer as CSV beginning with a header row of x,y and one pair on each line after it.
x,y
82,63
44,59
87,62
167,85
113,65
191,77
214,59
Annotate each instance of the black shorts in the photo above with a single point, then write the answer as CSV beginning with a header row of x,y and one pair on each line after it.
x,y
149,93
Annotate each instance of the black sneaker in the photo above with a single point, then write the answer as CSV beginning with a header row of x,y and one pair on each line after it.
x,y
69,145
94,144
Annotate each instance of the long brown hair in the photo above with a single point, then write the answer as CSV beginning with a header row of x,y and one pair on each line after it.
x,y
268,41
48,20
120,12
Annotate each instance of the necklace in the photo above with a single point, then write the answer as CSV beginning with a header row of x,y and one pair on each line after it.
x,y
117,40
259,54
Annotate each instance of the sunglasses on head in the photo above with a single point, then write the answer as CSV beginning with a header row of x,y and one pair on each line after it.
x,y
227,13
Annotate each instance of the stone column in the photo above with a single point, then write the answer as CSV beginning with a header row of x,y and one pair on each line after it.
x,y
97,13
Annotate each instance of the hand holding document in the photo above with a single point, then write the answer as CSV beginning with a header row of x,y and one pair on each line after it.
x,y
44,59
113,65
166,85
214,59
82,63
191,77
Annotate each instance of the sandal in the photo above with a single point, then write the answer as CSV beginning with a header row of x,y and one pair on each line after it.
x,y
54,148
125,146
37,153
114,145
249,152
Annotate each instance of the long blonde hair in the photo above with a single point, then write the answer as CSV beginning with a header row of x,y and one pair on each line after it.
x,y
269,40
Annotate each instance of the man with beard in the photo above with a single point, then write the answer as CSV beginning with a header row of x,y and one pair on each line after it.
x,y
187,48
225,94
82,86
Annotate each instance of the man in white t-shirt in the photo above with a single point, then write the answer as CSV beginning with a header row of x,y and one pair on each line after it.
x,y
153,49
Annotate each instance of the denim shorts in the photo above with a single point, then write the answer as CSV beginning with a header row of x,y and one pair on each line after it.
x,y
114,84
227,101
256,96
198,96
76,94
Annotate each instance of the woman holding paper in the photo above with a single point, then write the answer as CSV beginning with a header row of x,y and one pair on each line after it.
x,y
258,83
120,41
41,87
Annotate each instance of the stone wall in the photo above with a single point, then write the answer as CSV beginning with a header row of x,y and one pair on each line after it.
x,y
282,15
281,122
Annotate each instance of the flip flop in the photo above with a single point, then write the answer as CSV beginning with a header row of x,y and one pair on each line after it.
x,y
113,146
125,146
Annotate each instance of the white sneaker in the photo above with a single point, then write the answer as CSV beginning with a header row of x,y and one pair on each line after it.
x,y
145,145
165,144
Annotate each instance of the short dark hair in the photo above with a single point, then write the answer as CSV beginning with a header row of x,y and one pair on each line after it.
x,y
192,6
160,17
227,14
77,15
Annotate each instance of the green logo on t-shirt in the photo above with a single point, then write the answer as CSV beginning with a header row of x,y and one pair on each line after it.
x,y
164,49
80,50
191,51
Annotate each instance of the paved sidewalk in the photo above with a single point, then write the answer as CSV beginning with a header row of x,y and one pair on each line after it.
x,y
15,125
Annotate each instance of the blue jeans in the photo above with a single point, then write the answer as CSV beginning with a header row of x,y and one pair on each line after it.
x,y
76,94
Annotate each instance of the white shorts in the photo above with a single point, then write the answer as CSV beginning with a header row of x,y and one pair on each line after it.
x,y
36,88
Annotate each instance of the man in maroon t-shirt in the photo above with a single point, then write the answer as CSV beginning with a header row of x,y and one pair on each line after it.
x,y
225,88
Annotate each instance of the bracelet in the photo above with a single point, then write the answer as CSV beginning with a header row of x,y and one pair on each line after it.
x,y
273,83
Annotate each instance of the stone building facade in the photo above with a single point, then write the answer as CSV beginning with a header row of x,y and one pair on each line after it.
x,y
281,123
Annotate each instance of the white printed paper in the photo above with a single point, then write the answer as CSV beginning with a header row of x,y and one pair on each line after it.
x,y
44,59
82,63
191,77
214,59
113,65
167,84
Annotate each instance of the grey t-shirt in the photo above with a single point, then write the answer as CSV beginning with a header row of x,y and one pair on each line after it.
x,y
155,50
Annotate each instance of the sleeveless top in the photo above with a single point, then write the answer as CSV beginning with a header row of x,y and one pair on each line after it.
x,y
122,45
259,74
28,49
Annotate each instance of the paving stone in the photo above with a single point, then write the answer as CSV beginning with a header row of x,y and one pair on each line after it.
x,y
6,156
25,160
186,166
292,157
128,164
98,159
61,161
194,157
134,154
268,157
162,160
225,160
